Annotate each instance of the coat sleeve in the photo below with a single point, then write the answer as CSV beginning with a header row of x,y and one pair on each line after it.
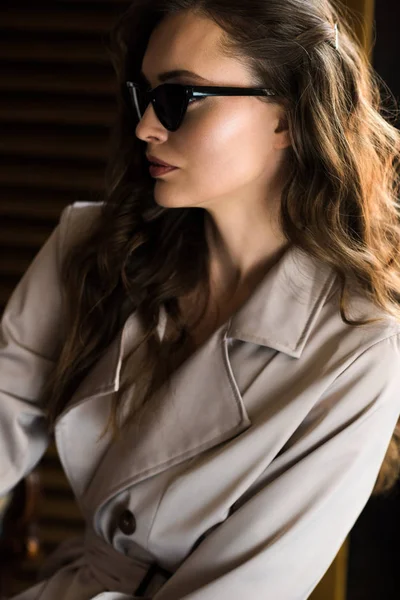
x,y
281,537
30,341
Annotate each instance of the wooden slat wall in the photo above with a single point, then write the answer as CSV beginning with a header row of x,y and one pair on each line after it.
x,y
57,102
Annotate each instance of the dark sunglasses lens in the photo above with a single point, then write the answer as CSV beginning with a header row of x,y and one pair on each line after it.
x,y
170,101
169,104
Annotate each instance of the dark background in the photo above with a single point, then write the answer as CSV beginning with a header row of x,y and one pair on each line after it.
x,y
386,56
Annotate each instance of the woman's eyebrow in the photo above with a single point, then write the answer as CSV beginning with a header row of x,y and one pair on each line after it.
x,y
163,77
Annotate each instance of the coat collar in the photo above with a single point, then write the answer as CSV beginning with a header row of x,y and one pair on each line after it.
x,y
279,314
283,308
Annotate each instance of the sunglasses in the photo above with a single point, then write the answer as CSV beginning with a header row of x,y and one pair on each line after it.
x,y
170,100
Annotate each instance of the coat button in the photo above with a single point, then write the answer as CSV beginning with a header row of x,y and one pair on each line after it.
x,y
127,522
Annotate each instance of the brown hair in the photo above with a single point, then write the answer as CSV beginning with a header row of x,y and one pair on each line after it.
x,y
339,202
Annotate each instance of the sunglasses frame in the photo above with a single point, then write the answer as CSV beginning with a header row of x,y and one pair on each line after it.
x,y
191,91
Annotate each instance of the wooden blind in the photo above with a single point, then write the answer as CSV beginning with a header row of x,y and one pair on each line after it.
x,y
57,102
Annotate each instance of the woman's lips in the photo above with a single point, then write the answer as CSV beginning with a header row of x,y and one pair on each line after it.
x,y
157,171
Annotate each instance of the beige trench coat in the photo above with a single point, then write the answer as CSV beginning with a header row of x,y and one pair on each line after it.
x,y
246,477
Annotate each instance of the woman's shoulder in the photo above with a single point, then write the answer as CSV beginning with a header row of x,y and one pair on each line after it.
x,y
77,221
81,214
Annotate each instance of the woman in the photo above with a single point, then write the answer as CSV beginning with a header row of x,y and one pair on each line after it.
x,y
216,347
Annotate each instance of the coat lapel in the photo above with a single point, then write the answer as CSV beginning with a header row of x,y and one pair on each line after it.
x,y
201,408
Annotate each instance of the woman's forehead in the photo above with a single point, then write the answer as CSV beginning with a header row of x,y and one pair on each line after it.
x,y
190,43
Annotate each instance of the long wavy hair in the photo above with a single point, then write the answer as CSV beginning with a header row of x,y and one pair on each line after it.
x,y
339,202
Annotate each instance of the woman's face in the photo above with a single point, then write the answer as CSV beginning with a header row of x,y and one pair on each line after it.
x,y
228,149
